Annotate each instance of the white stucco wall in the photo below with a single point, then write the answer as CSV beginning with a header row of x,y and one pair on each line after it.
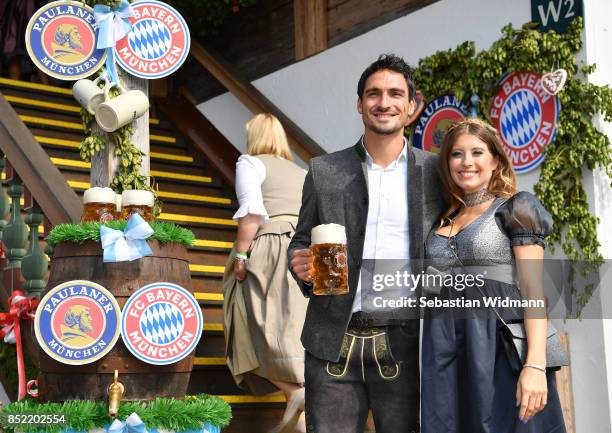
x,y
598,35
319,94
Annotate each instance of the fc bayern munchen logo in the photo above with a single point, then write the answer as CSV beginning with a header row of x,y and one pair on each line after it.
x,y
436,118
162,323
77,322
526,117
61,40
158,43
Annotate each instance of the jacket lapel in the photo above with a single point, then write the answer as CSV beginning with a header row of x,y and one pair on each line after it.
x,y
415,207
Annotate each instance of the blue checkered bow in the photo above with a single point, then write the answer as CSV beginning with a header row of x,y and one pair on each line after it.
x,y
130,244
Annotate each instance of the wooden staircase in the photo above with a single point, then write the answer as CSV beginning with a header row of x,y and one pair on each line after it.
x,y
193,196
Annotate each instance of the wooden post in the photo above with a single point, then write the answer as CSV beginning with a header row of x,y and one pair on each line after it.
x,y
104,164
310,27
564,387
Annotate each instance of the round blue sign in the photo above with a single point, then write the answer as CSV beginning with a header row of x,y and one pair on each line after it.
x,y
61,40
77,322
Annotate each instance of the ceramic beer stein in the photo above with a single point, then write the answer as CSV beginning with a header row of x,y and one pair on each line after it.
x,y
114,113
88,94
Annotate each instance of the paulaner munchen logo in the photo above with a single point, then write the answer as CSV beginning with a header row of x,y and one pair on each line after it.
x,y
526,117
435,119
77,322
61,40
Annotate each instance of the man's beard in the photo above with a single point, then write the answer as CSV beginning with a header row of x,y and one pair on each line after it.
x,y
380,131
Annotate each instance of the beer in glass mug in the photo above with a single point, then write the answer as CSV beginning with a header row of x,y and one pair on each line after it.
x,y
137,201
99,205
330,272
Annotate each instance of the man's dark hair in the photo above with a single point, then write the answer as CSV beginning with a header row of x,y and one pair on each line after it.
x,y
393,63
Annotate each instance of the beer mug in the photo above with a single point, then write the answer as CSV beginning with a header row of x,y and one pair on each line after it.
x,y
99,205
118,204
114,113
137,201
88,94
329,269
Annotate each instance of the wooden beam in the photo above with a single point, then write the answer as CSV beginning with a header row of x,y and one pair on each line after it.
x,y
105,164
564,387
310,27
254,100
48,186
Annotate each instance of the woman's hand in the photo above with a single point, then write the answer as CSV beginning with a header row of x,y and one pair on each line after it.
x,y
240,271
531,393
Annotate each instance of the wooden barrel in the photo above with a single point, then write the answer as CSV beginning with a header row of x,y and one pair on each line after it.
x,y
59,382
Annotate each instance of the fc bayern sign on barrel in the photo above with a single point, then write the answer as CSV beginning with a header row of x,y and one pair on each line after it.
x,y
526,117
158,43
162,323
61,40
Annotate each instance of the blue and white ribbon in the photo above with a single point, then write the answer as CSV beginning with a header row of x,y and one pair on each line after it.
x,y
133,424
130,244
113,25
474,99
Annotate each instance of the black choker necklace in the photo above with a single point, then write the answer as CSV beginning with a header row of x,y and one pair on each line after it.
x,y
475,198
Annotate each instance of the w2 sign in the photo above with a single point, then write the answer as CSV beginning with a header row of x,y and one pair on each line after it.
x,y
555,14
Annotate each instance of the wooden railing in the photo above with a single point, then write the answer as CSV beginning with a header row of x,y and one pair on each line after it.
x,y
32,164
254,100
36,186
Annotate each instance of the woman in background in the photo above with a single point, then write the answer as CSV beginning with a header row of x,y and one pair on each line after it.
x,y
468,385
262,302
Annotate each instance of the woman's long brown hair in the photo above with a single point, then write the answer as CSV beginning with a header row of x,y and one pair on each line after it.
x,y
503,180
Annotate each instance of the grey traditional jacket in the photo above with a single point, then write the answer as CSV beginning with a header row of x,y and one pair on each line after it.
x,y
336,191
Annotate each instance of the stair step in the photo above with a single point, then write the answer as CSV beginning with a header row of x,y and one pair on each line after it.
x,y
207,269
53,141
200,296
250,399
35,86
213,244
165,194
208,361
69,108
73,163
41,121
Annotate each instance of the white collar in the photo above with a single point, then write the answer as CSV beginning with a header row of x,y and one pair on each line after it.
x,y
403,156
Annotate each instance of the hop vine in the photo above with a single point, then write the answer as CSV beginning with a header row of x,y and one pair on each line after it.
x,y
128,174
578,144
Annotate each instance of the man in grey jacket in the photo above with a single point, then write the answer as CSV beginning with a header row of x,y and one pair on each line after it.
x,y
387,196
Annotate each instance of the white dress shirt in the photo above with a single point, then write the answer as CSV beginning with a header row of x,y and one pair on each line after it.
x,y
386,233
250,174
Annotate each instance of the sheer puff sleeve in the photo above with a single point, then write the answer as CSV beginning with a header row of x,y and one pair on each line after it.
x,y
525,220
250,174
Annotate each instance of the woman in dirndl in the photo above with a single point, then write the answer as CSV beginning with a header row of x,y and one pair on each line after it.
x,y
264,309
468,384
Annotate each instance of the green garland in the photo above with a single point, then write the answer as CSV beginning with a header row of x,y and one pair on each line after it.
x,y
90,231
578,143
161,413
